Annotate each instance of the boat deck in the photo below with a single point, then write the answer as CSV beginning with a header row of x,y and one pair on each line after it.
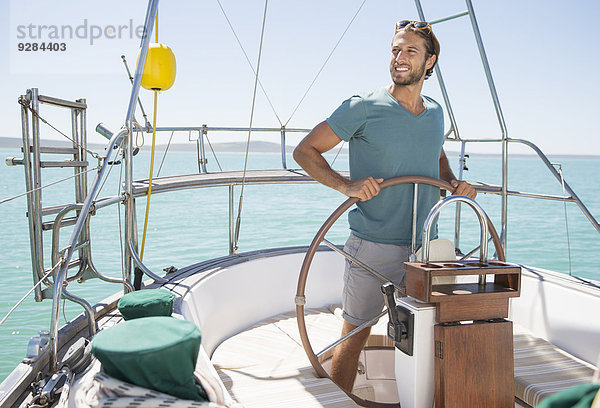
x,y
267,363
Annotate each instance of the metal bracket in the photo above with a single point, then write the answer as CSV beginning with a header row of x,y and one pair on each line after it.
x,y
36,346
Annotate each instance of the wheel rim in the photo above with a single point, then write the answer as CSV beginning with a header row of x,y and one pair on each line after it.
x,y
312,249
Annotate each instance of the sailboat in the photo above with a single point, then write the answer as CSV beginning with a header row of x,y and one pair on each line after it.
x,y
270,318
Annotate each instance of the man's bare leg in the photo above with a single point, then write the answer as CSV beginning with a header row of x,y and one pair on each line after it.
x,y
344,363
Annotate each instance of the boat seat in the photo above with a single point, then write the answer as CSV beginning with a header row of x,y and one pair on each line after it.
x,y
266,365
543,369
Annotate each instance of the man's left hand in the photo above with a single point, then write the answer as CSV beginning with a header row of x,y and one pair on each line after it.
x,y
463,188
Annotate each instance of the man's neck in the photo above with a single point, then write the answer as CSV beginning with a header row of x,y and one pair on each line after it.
x,y
408,96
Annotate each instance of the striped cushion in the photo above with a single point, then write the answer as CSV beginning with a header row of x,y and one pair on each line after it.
x,y
260,366
542,369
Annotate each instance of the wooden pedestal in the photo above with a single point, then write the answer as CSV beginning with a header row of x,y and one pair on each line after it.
x,y
473,362
474,365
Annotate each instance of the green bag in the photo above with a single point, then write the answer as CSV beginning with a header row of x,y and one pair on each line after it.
x,y
146,302
157,352
580,396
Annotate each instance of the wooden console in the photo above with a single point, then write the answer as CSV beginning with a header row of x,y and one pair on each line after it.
x,y
473,340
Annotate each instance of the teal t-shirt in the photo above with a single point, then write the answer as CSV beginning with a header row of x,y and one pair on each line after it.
x,y
385,141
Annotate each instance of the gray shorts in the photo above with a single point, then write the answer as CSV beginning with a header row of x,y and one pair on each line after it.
x,y
362,299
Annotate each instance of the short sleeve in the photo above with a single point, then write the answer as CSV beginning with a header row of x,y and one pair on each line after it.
x,y
348,120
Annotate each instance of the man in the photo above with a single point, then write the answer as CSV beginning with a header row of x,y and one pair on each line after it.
x,y
393,131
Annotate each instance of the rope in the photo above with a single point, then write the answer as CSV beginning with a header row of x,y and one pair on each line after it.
x,y
326,61
139,131
30,290
36,114
249,63
239,215
5,200
150,177
151,154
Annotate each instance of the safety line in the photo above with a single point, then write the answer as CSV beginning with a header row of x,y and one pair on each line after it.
x,y
28,293
5,200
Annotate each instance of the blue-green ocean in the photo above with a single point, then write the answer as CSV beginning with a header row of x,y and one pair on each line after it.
x,y
191,225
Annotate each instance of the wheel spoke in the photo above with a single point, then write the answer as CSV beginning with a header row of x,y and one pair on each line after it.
x,y
352,333
366,267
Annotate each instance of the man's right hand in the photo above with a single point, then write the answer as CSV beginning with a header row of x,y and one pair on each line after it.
x,y
364,189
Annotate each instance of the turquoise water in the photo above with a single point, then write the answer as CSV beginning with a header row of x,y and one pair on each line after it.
x,y
191,226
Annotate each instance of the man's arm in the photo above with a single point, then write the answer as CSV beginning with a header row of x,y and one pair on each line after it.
x,y
460,187
309,155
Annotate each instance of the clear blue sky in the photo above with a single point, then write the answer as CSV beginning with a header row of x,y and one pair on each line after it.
x,y
543,56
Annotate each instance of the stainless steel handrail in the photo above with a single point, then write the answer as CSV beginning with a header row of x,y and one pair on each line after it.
x,y
555,173
481,216
130,228
141,265
204,129
436,210
68,253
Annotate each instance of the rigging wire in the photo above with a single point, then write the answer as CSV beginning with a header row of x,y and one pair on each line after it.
x,y
338,153
165,155
112,164
249,62
5,200
213,152
36,114
30,290
562,181
326,61
239,214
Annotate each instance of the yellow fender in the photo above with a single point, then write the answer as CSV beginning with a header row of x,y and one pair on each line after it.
x,y
159,69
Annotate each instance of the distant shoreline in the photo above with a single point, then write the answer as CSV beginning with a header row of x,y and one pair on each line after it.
x,y
260,147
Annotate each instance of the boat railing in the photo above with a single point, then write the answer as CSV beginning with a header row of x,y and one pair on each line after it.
x,y
503,189
74,244
203,135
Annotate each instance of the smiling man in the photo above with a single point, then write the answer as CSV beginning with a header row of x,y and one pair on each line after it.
x,y
392,131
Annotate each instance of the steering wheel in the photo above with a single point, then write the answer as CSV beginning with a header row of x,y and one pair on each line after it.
x,y
312,249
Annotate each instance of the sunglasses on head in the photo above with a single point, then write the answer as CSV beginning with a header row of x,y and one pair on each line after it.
x,y
421,25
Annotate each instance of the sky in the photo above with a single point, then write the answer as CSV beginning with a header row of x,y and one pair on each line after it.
x,y
543,57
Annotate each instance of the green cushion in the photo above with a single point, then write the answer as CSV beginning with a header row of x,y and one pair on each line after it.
x,y
580,396
157,352
146,302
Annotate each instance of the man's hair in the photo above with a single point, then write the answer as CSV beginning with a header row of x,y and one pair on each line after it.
x,y
432,45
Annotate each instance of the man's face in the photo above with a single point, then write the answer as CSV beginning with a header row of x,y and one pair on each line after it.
x,y
409,59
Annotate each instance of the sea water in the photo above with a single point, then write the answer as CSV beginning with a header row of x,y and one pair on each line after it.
x,y
190,226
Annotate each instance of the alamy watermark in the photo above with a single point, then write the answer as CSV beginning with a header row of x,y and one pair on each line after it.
x,y
71,36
